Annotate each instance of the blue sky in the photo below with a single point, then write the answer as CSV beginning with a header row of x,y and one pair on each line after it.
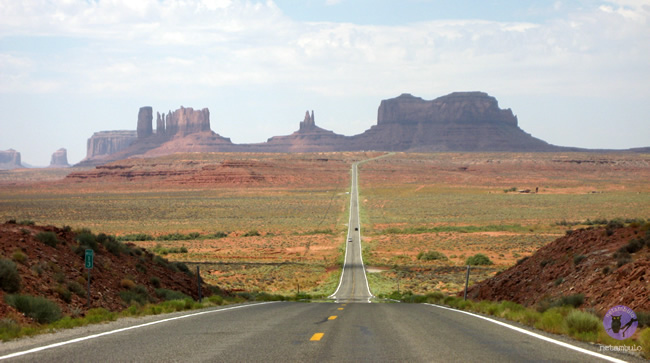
x,y
577,73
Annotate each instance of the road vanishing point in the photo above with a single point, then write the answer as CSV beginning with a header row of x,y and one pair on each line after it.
x,y
348,329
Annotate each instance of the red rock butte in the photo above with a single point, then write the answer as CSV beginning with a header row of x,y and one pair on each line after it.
x,y
460,121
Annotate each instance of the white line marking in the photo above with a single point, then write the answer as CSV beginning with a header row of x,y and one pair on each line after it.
x,y
55,345
538,336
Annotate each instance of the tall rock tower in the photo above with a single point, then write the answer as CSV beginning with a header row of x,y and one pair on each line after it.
x,y
145,119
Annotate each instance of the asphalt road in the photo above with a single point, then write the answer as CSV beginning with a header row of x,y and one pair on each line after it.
x,y
353,286
350,330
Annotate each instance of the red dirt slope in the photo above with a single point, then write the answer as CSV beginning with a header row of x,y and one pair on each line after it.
x,y
582,262
44,269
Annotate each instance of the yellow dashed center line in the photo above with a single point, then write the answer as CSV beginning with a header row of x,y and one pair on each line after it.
x,y
340,308
316,337
332,317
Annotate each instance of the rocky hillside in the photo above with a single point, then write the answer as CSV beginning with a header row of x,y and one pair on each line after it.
x,y
50,263
609,266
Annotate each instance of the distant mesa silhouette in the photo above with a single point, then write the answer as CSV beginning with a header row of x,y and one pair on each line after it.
x,y
460,121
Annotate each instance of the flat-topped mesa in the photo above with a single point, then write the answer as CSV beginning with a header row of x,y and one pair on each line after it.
x,y
59,158
185,121
145,117
109,142
308,123
457,107
10,159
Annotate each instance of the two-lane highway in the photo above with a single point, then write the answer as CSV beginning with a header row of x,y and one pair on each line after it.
x,y
353,286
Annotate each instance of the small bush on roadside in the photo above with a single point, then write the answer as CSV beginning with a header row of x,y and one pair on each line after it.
x,y
644,339
644,318
431,256
478,259
40,309
167,294
136,294
9,276
551,321
49,238
27,222
9,329
582,322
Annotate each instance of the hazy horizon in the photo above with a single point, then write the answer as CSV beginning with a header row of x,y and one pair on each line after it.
x,y
576,73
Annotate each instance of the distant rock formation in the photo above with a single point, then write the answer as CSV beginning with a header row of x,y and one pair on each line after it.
x,y
145,116
10,159
184,130
460,121
185,121
59,159
105,143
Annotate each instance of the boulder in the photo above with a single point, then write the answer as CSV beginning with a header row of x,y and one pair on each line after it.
x,y
59,159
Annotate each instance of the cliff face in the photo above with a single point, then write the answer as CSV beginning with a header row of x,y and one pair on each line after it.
x,y
59,159
461,121
105,143
455,108
10,159
185,121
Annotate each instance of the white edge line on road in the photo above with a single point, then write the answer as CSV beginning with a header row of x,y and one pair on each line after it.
x,y
38,349
535,335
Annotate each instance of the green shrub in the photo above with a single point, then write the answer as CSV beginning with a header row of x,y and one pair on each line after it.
x,y
77,288
9,276
644,339
87,239
136,237
431,255
582,322
167,294
155,281
64,293
9,329
49,238
38,308
551,321
111,244
252,233
19,256
136,294
26,222
578,258
478,259
218,235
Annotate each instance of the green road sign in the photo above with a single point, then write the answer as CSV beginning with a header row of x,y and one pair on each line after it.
x,y
89,258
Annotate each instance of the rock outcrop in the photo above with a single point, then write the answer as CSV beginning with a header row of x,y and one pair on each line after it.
x,y
145,116
185,121
461,121
59,159
105,143
10,159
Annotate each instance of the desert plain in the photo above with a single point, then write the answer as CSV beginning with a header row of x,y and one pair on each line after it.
x,y
277,222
